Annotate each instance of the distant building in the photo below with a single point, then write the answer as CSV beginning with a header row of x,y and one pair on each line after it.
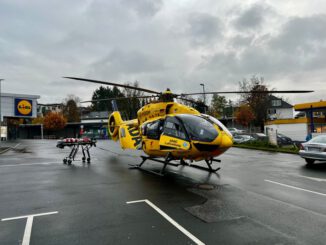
x,y
43,109
95,116
312,120
16,109
279,109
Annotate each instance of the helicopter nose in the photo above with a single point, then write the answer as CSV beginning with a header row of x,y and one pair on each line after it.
x,y
227,141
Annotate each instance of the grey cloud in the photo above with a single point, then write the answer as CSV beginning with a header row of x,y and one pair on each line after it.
x,y
240,41
300,46
204,28
305,33
159,43
143,7
252,18
119,62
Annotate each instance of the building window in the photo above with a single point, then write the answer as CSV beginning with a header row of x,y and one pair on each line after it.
x,y
276,102
271,111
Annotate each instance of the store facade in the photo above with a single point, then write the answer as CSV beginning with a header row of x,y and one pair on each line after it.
x,y
16,109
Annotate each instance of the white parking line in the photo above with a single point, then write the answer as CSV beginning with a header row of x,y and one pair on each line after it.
x,y
296,188
10,148
76,163
168,218
27,164
29,224
311,178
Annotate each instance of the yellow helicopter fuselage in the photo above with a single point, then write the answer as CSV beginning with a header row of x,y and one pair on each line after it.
x,y
163,128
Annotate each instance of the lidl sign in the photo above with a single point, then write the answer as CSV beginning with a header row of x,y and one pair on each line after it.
x,y
23,107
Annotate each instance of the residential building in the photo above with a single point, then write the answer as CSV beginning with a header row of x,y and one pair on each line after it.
x,y
42,109
279,109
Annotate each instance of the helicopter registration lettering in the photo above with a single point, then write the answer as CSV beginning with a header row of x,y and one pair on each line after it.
x,y
129,137
134,132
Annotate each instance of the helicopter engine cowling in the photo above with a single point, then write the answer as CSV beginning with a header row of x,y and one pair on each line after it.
x,y
114,123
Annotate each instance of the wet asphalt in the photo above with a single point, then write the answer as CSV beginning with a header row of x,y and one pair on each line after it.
x,y
256,198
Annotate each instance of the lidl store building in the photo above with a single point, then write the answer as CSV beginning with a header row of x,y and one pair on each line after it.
x,y
16,109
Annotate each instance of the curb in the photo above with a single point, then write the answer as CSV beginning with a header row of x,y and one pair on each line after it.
x,y
265,149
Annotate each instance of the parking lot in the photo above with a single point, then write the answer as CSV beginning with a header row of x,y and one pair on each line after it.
x,y
256,198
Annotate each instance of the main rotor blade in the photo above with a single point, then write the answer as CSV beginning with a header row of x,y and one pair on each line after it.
x,y
255,92
193,101
121,98
113,84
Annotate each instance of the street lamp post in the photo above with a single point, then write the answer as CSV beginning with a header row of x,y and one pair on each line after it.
x,y
0,103
203,85
0,109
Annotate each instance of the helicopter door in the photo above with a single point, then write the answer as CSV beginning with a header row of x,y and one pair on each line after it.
x,y
174,135
152,132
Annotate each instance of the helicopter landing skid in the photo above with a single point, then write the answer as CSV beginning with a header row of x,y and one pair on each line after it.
x,y
167,162
209,166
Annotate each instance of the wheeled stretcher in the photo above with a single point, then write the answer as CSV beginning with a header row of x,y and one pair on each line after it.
x,y
85,144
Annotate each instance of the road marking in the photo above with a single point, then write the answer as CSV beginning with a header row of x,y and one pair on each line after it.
x,y
296,188
76,163
9,148
27,164
29,224
168,218
312,178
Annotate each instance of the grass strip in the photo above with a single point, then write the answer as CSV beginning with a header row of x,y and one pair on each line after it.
x,y
263,146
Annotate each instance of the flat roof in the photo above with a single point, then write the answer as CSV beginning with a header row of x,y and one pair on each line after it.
x,y
30,96
311,105
295,121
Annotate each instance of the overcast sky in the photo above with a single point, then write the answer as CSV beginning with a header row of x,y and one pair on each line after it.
x,y
174,43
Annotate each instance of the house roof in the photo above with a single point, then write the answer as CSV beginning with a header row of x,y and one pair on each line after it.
x,y
284,104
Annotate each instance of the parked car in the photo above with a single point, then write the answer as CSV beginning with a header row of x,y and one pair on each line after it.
x,y
260,136
241,138
284,140
314,149
236,131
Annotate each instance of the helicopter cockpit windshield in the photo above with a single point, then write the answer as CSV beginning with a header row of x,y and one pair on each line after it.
x,y
198,128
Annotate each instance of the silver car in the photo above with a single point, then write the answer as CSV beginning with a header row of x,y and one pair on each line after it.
x,y
240,138
314,149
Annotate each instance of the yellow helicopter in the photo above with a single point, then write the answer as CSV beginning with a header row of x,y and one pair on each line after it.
x,y
166,130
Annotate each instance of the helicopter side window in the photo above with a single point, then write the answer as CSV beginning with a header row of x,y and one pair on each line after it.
x,y
174,128
153,130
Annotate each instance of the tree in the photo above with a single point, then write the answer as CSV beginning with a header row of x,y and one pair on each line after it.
x,y
229,109
132,104
54,121
103,93
199,105
257,101
218,105
38,120
70,109
244,115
